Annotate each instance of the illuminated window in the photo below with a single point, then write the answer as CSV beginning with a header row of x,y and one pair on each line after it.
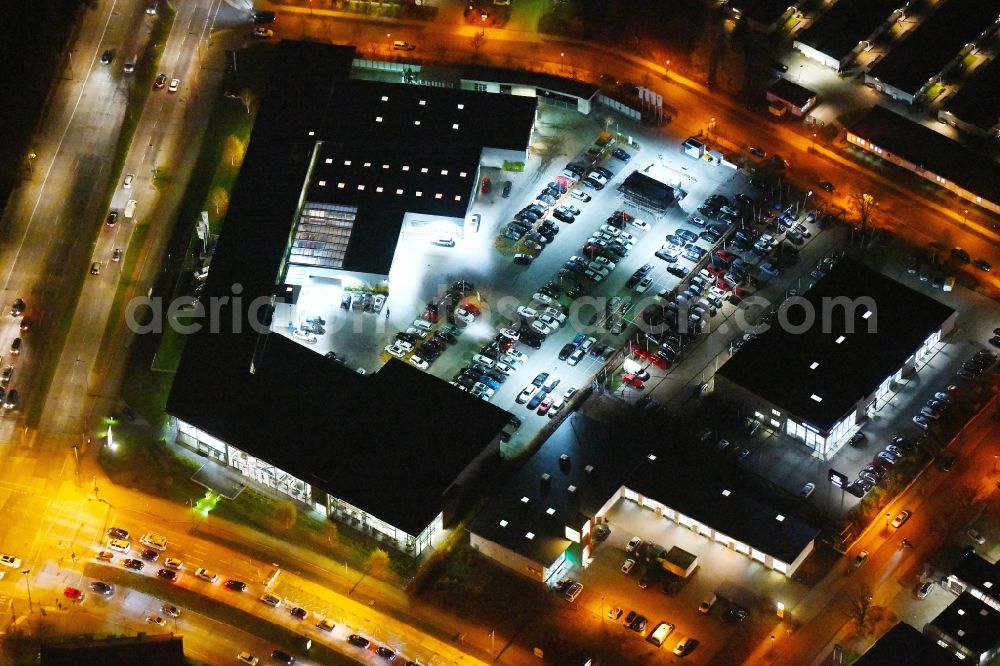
x,y
423,102
378,189
840,339
406,168
378,119
550,511
340,185
503,523
329,160
867,314
416,122
461,174
780,518
454,125
776,412
322,183
385,166
529,536
816,398
419,194
461,106
399,191
385,98
312,133
423,170
347,162
651,456
813,365
437,196
525,500
726,493
361,187
444,172
368,164
458,198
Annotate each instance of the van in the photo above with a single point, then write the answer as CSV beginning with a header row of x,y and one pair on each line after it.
x,y
400,45
130,64
120,545
130,209
660,633
154,541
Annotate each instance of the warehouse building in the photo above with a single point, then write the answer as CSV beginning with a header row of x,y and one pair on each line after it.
x,y
845,30
834,359
784,95
975,109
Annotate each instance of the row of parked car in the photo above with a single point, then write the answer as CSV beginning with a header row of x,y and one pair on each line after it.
x,y
881,464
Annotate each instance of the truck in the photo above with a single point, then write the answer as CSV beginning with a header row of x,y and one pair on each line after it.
x,y
130,209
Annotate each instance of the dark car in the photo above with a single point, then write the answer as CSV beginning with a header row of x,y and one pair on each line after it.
x,y
299,613
592,184
117,533
160,81
677,271
563,216
531,340
282,656
505,192
638,625
567,349
858,440
149,554
826,185
167,574
620,154
540,379
263,17
385,652
735,614
536,399
134,565
102,589
607,173
688,235
107,56
961,255
358,641
236,585
757,152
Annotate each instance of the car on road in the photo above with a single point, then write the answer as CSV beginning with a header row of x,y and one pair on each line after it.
x,y
174,85
74,594
861,558
95,268
685,646
206,575
757,152
107,56
10,561
627,565
160,81
112,218
826,186
976,536
901,518
247,658
133,564
326,625
982,265
236,585
358,641
299,613
807,490
171,610
167,574
282,656
385,652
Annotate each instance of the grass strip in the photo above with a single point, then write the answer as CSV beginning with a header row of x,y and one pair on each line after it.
x,y
190,600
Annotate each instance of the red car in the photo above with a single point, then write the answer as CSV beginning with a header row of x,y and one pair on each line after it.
x,y
473,309
74,594
637,350
727,257
160,81
592,249
633,380
544,406
487,185
621,215
429,315
723,285
659,361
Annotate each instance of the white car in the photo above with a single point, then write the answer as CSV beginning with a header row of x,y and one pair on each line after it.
x,y
121,545
580,195
526,312
525,395
129,177
263,32
557,314
544,299
570,176
174,85
155,619
540,327
592,276
549,321
632,544
519,357
504,368
464,316
207,575
247,658
420,333
627,566
10,561
485,360
395,350
604,261
304,336
480,389
173,563
418,362
643,285
603,271
614,232
378,302
642,225
510,333
626,237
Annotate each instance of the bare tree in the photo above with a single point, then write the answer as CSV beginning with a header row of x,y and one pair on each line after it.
x,y
246,97
860,608
863,205
477,41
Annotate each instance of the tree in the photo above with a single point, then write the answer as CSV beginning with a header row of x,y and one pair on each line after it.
x,y
378,563
477,41
235,149
704,57
731,72
246,97
220,199
285,515
863,205
860,608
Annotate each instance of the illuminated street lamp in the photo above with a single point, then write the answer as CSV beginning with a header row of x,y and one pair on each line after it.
x,y
484,16
111,440
886,521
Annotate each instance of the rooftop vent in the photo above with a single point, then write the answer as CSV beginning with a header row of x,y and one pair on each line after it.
x,y
589,469
571,490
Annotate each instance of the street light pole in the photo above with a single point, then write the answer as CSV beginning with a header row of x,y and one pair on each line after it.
x,y
27,581
887,522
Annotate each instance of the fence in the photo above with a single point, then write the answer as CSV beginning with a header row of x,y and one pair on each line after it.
x,y
615,105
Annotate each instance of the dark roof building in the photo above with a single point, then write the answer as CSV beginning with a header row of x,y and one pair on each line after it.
x,y
847,339
570,93
905,646
162,650
840,33
970,628
764,15
976,107
795,98
545,514
385,450
977,576
648,192
930,155
944,36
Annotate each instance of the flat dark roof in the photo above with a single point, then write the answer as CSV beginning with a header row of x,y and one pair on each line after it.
x,y
930,150
764,12
162,650
905,646
971,623
791,92
978,103
837,32
777,365
558,84
649,189
698,491
976,571
586,442
925,51
389,443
